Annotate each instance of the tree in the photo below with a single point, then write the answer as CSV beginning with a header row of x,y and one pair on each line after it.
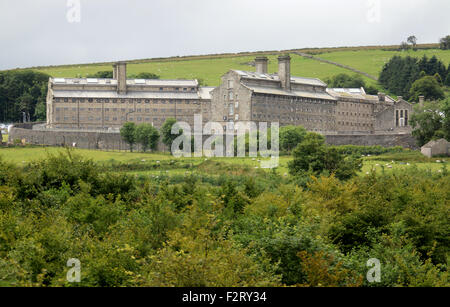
x,y
145,75
400,73
147,136
447,79
166,131
291,136
404,46
346,81
40,111
413,41
427,86
128,134
313,157
426,122
108,74
445,43
445,108
21,91
201,82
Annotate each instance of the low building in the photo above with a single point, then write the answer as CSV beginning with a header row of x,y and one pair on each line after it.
x,y
436,148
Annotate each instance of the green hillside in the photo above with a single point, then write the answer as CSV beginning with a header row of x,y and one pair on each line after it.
x,y
211,68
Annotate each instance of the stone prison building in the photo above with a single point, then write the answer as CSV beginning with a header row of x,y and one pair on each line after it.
x,y
242,96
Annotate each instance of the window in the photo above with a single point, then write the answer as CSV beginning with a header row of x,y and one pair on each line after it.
x,y
231,95
231,109
66,99
230,84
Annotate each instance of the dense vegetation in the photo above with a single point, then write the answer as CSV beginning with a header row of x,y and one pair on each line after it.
x,y
224,226
23,95
431,121
350,81
400,74
444,43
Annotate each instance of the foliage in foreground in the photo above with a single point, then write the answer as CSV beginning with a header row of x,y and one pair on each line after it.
x,y
431,121
250,229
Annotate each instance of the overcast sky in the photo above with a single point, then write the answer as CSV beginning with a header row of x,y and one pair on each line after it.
x,y
47,32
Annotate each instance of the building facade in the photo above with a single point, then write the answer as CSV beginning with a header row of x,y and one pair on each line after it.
x,y
261,97
242,96
103,104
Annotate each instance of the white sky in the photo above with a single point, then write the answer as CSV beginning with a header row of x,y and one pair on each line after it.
x,y
37,32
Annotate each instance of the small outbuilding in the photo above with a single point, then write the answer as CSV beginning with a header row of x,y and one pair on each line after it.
x,y
436,148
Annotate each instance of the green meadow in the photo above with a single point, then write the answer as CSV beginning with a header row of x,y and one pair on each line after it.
x,y
163,163
372,61
210,69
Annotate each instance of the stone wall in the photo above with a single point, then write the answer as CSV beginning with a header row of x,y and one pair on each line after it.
x,y
113,141
385,140
85,140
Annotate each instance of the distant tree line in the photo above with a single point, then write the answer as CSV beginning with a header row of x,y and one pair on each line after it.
x,y
108,74
347,81
409,77
23,96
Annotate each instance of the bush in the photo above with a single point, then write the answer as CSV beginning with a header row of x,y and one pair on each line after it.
x,y
312,156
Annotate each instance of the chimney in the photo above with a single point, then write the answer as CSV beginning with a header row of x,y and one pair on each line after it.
x,y
121,76
115,71
284,71
261,65
421,99
400,98
381,97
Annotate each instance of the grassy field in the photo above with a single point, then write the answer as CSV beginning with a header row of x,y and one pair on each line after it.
x,y
372,61
387,163
210,69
